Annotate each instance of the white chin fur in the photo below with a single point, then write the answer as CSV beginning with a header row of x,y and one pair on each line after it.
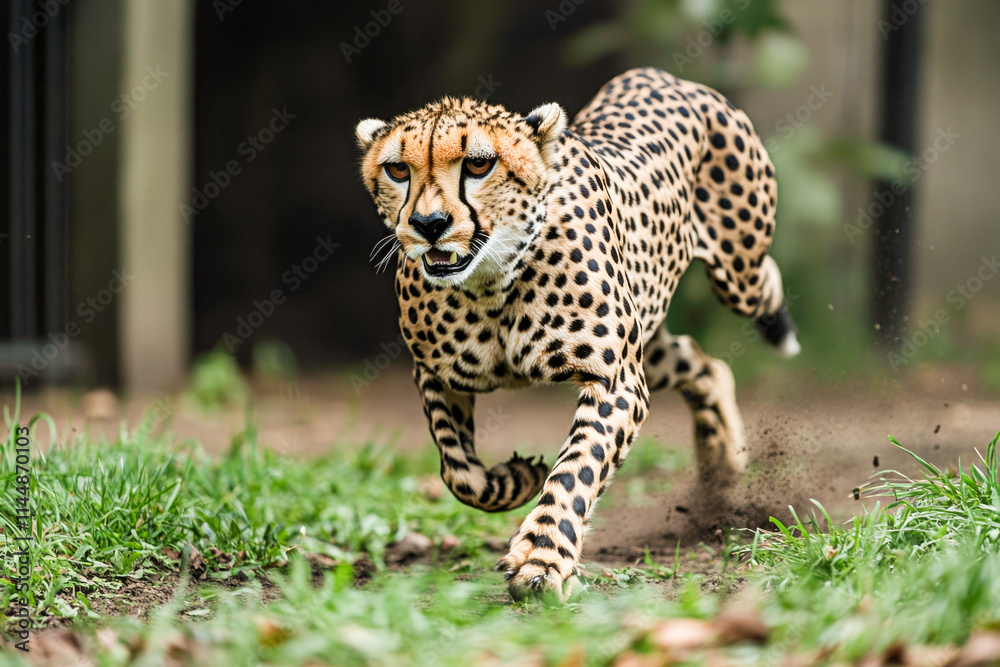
x,y
790,345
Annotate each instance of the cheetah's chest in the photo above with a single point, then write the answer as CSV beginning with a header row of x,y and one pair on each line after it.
x,y
471,342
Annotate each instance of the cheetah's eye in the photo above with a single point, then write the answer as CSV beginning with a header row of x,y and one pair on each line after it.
x,y
398,171
478,166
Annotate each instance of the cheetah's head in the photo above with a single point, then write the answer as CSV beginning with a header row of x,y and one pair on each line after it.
x,y
462,184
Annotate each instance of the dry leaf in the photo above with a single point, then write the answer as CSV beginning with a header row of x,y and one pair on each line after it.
x,y
636,660
100,404
682,635
741,623
196,563
107,638
431,488
58,648
982,650
413,545
270,633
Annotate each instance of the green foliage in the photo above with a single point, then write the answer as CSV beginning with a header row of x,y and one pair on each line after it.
x,y
940,512
111,508
924,570
274,362
216,381
673,35
989,367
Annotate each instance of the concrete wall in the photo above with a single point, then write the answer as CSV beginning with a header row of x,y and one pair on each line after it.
x,y
156,165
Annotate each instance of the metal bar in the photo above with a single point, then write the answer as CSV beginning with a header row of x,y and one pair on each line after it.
x,y
22,180
895,229
56,185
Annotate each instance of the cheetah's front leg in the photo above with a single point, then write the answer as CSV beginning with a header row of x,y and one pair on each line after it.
x,y
450,414
545,550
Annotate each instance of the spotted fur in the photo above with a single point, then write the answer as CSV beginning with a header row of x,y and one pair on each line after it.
x,y
566,255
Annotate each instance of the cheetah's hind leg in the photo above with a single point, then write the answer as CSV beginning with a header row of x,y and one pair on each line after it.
x,y
707,384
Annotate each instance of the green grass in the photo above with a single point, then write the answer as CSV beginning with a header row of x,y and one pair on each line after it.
x,y
925,569
941,512
108,510
921,567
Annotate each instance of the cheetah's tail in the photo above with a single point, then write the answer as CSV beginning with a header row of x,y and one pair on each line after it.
x,y
779,330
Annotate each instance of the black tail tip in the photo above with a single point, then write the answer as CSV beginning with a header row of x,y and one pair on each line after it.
x,y
779,330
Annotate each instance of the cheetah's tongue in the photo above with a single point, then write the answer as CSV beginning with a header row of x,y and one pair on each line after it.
x,y
440,257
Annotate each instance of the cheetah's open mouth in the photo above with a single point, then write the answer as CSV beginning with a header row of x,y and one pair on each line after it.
x,y
441,263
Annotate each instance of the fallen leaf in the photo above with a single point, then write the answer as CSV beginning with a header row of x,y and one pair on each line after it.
x,y
58,648
270,633
982,650
221,555
413,545
636,660
431,488
680,636
741,623
321,561
100,404
107,638
182,650
496,544
931,656
196,563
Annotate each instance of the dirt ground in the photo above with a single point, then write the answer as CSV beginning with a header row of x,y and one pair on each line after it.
x,y
816,444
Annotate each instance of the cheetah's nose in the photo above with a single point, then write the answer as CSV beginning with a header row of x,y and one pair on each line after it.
x,y
431,226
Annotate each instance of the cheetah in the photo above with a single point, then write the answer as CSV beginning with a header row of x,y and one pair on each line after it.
x,y
531,251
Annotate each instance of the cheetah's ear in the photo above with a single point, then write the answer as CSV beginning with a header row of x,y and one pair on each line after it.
x,y
547,122
368,130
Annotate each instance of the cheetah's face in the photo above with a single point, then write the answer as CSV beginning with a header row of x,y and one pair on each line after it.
x,y
461,184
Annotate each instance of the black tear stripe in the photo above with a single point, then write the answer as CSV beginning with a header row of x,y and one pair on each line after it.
x,y
472,212
406,200
420,193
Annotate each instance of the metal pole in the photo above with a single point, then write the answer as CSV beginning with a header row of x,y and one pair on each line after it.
x,y
56,185
895,229
23,233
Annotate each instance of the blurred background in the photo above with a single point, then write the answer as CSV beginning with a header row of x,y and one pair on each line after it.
x,y
181,177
